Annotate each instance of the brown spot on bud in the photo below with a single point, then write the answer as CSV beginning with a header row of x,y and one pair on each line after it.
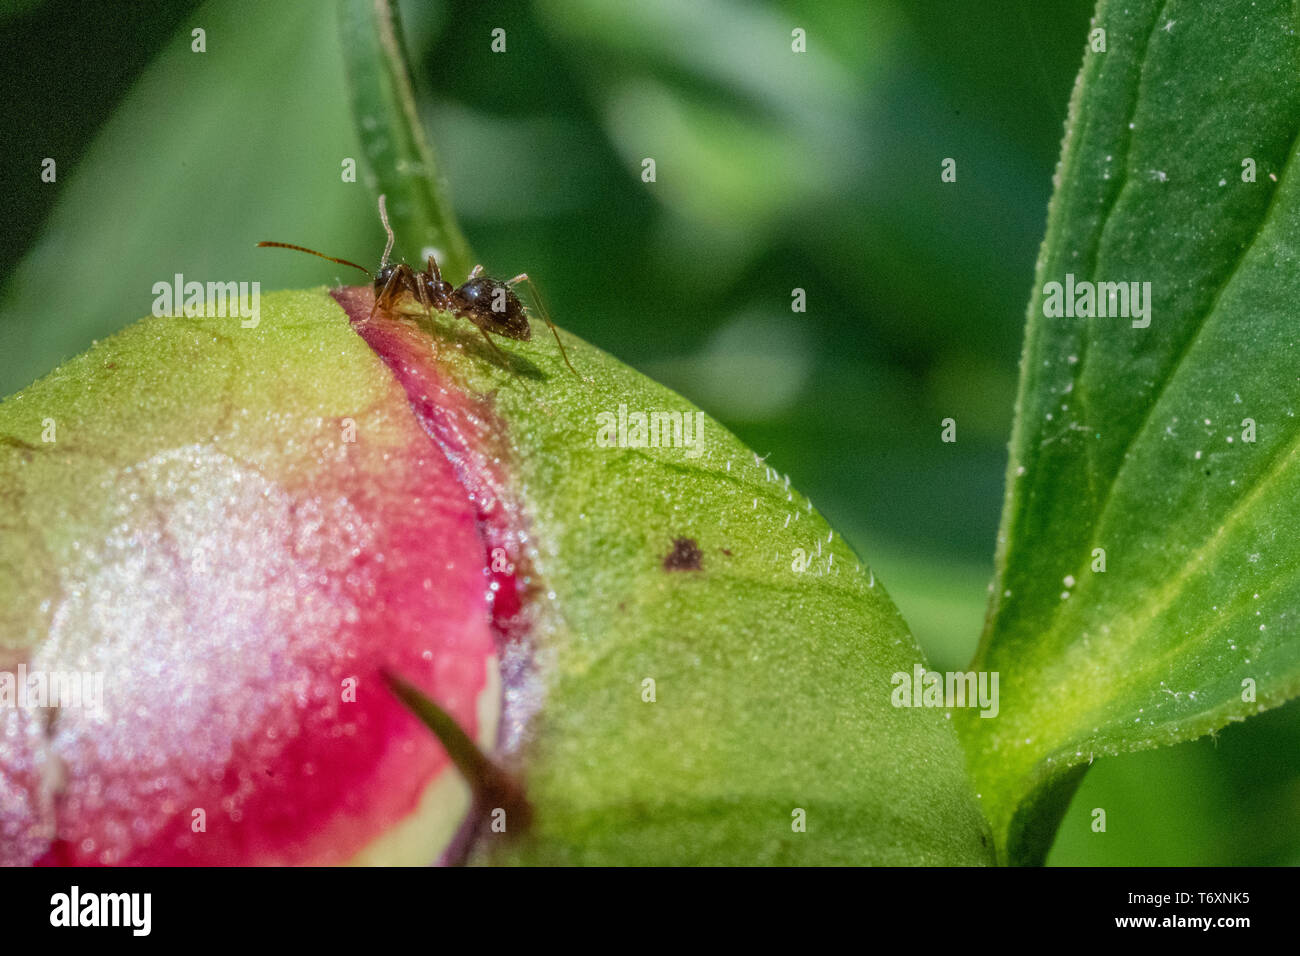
x,y
685,556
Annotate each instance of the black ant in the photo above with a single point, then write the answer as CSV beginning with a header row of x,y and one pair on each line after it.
x,y
490,304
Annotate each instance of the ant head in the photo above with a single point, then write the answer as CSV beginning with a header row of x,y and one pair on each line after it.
x,y
493,306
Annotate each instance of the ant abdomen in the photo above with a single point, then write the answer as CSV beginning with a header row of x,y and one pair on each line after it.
x,y
494,307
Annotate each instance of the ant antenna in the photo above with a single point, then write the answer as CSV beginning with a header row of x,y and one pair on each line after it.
x,y
383,216
342,262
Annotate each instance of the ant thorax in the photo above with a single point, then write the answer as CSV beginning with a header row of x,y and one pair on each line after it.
x,y
400,289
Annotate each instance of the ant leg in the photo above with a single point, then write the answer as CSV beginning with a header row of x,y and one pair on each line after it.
x,y
435,271
474,273
496,348
421,294
541,308
506,359
383,295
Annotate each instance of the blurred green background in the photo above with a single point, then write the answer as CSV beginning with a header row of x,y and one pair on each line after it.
x,y
774,171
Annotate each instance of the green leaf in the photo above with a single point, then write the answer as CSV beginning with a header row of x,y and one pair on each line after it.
x,y
1134,440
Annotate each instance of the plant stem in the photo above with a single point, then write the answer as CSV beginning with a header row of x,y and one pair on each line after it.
x,y
400,160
